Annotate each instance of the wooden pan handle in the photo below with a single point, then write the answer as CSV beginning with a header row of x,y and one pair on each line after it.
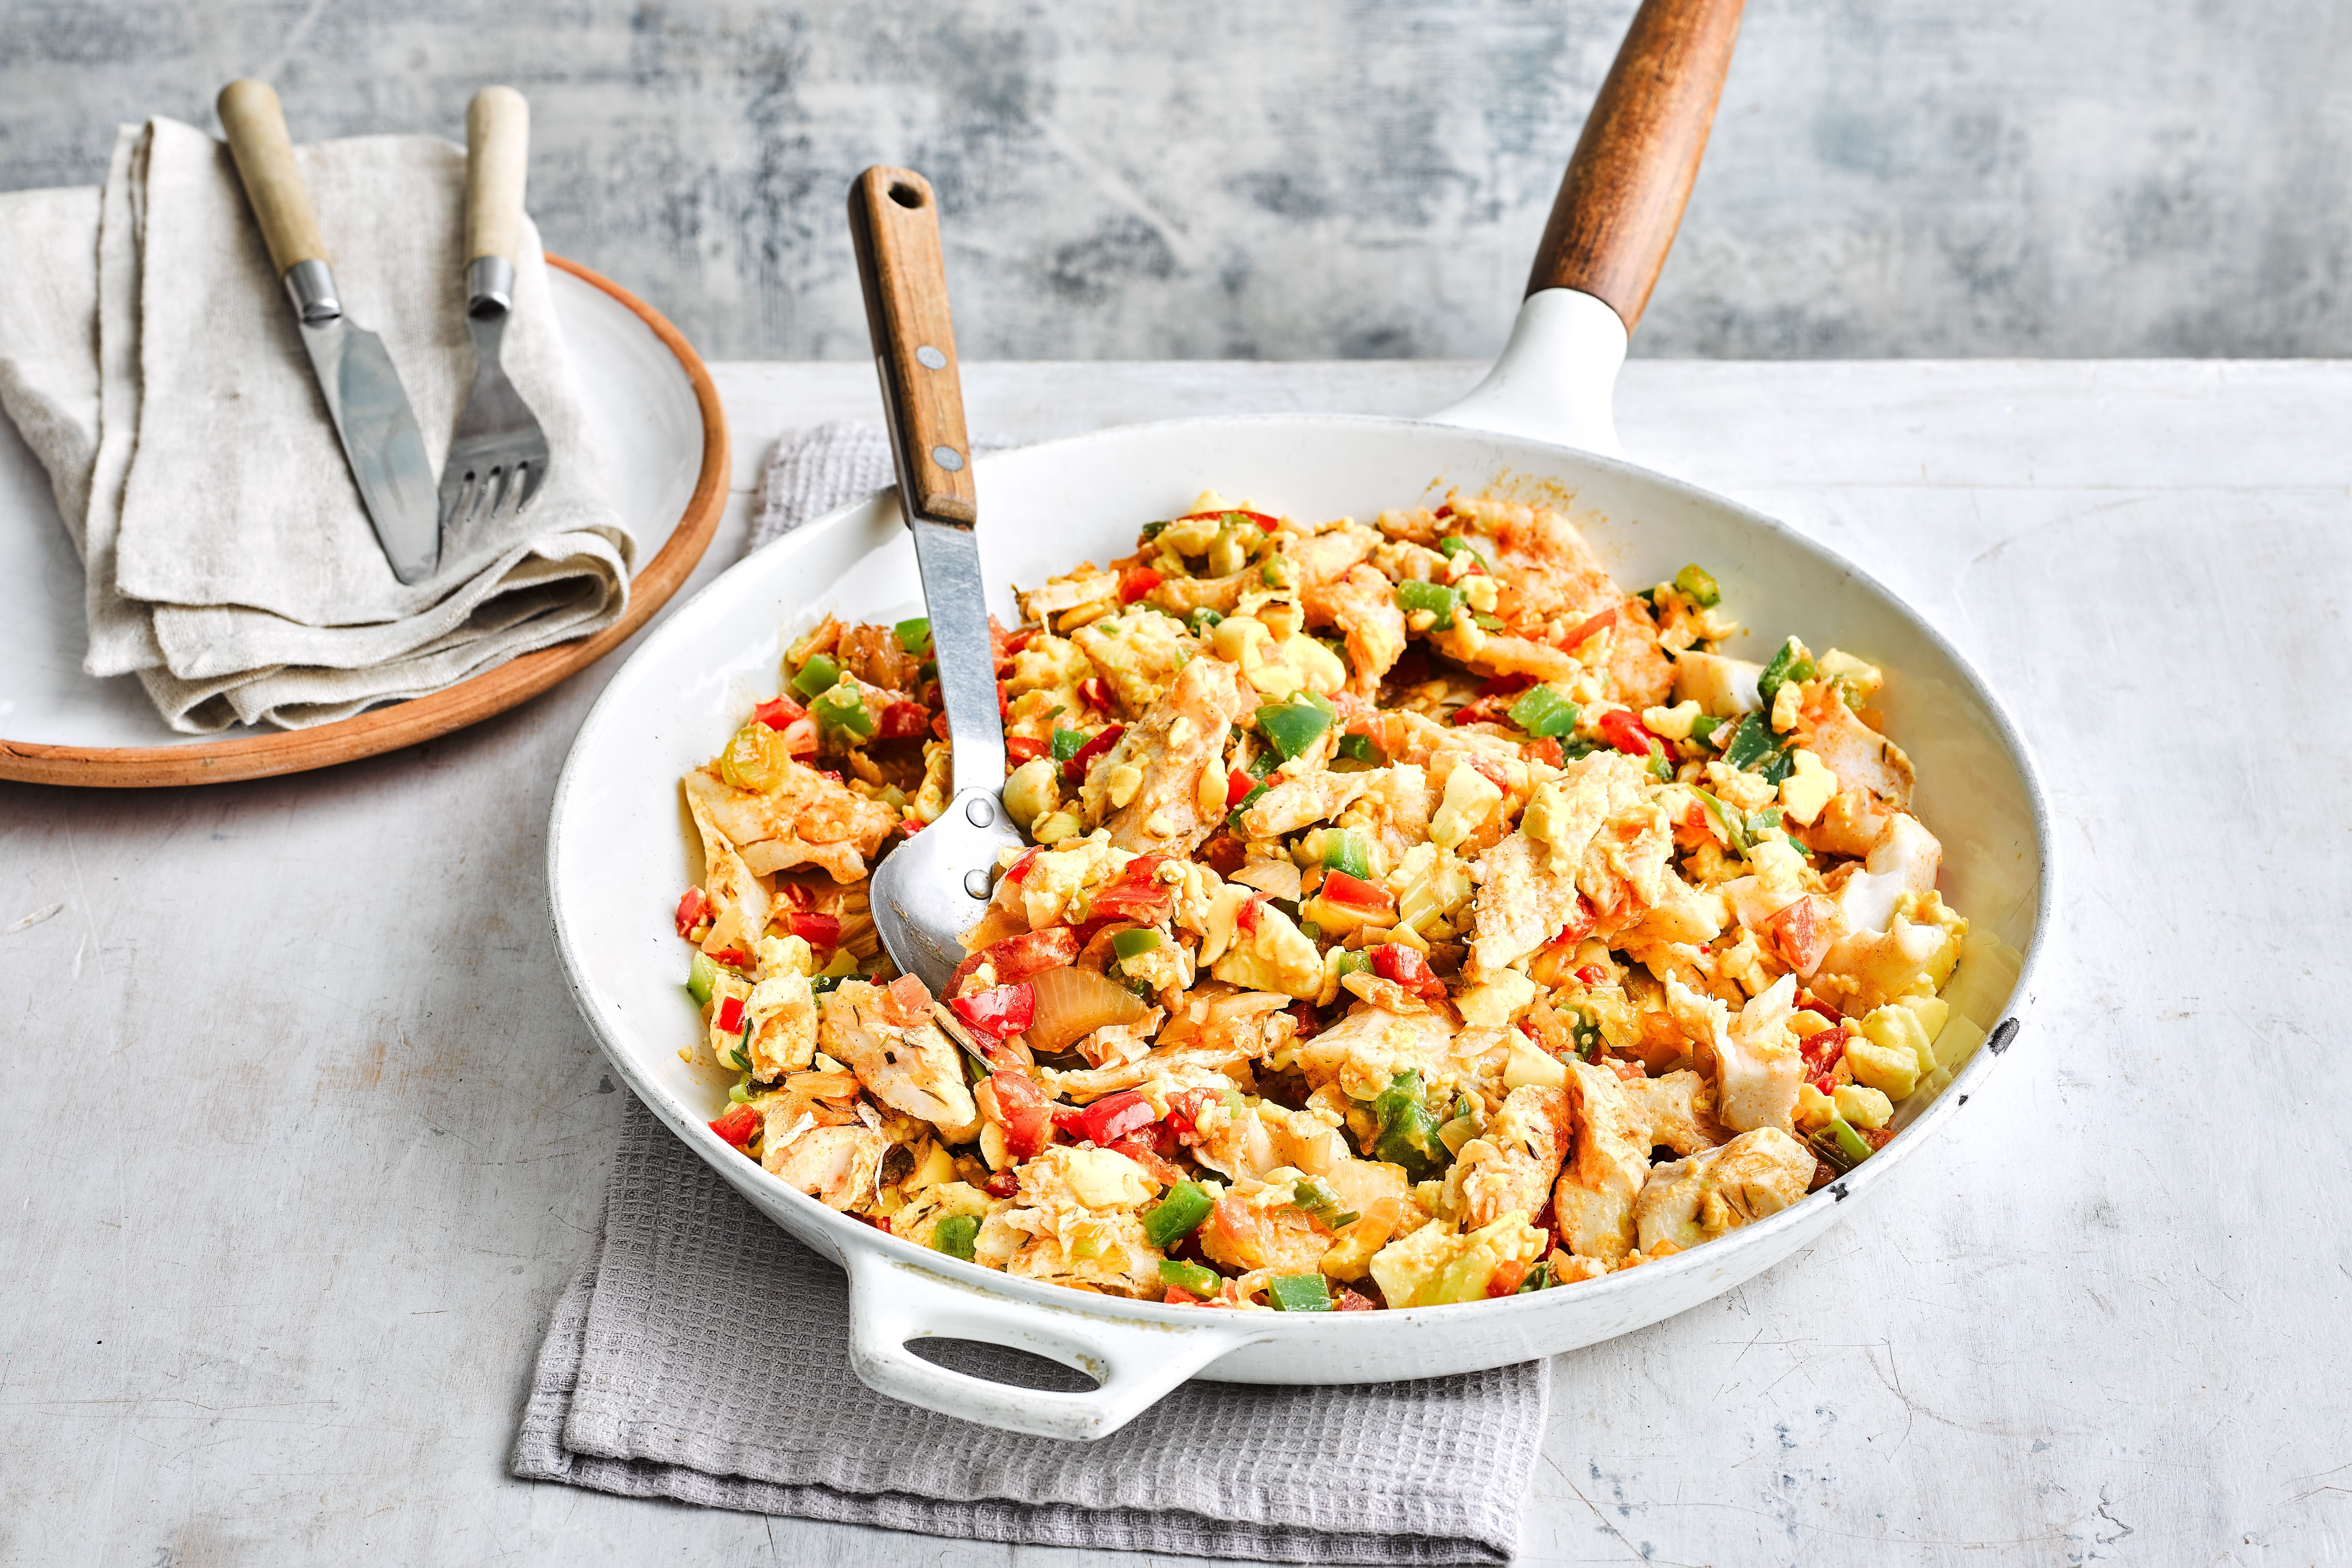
x,y
1622,198
497,149
894,222
265,163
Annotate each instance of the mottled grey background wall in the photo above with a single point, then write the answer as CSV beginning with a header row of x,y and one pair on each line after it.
x,y
1325,178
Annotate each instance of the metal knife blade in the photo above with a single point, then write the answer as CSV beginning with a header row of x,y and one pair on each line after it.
x,y
381,440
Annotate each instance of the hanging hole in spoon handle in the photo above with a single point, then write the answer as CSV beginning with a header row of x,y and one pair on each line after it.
x,y
1623,197
894,223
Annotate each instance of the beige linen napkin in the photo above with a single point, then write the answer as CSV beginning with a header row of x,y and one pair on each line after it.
x,y
230,562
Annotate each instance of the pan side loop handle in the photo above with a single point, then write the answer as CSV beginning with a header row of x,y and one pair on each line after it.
x,y
1623,197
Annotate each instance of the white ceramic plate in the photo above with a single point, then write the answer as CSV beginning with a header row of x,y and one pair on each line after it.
x,y
654,426
618,857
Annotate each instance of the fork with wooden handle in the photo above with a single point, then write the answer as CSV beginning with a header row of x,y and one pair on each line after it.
x,y
498,455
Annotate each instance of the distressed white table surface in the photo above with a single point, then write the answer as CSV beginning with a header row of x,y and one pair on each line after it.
x,y
300,1136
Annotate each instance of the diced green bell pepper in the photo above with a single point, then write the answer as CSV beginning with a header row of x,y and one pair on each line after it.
x,y
1203,1282
1299,1293
955,1234
1314,1195
1408,1130
1413,595
1129,945
842,708
1358,753
1752,743
1179,1214
1344,850
1840,1144
700,979
1538,1278
1705,725
820,672
914,633
1544,712
1068,743
1787,665
1294,724
1696,581
1202,619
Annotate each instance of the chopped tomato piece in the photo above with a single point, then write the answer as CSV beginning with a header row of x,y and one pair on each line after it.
x,y
692,910
1592,974
1247,916
1096,694
738,1125
777,712
1492,772
1238,784
939,726
906,1001
1020,1107
817,931
1136,582
731,1015
1355,892
1137,893
1545,751
1621,729
732,957
1019,957
1800,934
1001,1012
1184,1107
1020,867
1074,770
1580,921
1117,1115
1144,1152
1025,748
1268,523
1812,1003
1069,1121
1310,1022
903,721
1395,961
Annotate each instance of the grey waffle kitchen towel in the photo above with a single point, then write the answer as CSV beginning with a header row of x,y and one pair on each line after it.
x,y
812,471
702,1355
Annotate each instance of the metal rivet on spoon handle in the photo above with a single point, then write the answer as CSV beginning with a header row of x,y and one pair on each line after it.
x,y
934,885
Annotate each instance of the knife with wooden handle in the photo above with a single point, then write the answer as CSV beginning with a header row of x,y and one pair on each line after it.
x,y
364,397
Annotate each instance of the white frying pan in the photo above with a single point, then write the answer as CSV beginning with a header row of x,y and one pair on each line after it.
x,y
1539,424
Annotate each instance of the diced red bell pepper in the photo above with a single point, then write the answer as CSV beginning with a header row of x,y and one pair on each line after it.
x,y
1238,784
738,1125
1184,1108
818,931
1114,1116
1025,748
903,721
1136,582
1621,729
1395,961
1001,1012
1074,770
1585,628
731,957
1822,1049
1019,957
1355,892
1545,751
1178,1296
778,711
731,1015
1137,893
692,910
1096,694
1592,974
1001,1184
1268,523
1020,867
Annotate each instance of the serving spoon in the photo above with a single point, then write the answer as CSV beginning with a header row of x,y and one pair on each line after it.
x,y
935,885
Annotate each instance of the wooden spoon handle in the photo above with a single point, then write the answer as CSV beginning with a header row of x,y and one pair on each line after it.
x,y
894,222
1622,198
498,150
264,154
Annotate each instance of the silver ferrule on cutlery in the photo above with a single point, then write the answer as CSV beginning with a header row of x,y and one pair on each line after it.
x,y
489,286
363,394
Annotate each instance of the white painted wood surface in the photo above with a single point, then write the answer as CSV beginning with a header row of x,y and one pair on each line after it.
x,y
299,1135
